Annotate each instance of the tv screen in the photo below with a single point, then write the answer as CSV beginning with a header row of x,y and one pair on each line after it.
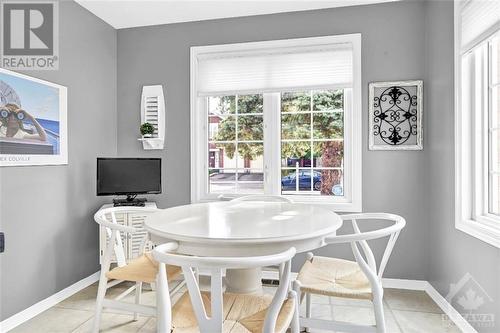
x,y
128,176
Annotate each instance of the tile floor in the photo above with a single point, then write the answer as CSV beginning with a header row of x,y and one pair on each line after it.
x,y
406,312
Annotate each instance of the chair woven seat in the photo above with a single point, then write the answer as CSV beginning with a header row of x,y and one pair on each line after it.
x,y
242,313
334,277
142,269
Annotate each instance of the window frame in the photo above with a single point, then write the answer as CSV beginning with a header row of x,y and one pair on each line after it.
x,y
351,201
472,112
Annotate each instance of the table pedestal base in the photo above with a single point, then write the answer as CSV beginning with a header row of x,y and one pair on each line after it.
x,y
244,281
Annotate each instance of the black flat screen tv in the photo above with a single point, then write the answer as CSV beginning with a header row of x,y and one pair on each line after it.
x,y
128,176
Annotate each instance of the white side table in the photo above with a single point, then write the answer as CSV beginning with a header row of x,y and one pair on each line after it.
x,y
131,243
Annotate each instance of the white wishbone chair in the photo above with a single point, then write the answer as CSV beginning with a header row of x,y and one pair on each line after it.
x,y
218,311
360,279
262,197
142,269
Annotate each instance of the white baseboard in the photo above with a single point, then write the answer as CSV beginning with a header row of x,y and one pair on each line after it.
x,y
37,308
447,308
273,275
405,284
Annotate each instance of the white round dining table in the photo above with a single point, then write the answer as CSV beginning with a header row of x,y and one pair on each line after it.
x,y
245,228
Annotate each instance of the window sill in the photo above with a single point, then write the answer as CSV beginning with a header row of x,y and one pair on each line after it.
x,y
480,230
337,206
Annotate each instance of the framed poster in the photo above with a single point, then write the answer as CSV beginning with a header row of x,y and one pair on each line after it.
x,y
395,113
33,121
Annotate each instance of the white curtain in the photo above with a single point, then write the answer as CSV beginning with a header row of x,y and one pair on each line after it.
x,y
275,69
479,19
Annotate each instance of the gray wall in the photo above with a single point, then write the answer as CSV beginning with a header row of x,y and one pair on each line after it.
x,y
46,211
393,49
452,253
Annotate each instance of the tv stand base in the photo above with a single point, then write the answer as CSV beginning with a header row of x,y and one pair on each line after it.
x,y
136,202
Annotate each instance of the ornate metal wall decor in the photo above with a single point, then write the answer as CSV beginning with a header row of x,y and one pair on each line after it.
x,y
396,115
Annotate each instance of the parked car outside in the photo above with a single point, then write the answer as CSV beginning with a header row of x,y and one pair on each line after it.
x,y
288,183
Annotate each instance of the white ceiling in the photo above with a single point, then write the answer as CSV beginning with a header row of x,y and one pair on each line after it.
x,y
136,13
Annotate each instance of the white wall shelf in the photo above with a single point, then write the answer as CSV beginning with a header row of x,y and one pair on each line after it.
x,y
153,112
152,143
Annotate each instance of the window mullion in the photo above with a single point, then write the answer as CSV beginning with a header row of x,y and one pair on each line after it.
x,y
311,135
236,151
272,137
202,130
347,167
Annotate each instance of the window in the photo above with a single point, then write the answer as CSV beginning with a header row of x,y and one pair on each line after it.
x,y
236,144
312,142
279,117
477,122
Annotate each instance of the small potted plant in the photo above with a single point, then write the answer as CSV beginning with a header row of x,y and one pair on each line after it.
x,y
147,130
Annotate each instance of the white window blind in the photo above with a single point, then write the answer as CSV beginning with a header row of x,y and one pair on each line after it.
x,y
277,69
479,19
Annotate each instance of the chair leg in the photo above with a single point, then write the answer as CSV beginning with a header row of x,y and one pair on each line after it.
x,y
101,293
300,296
295,325
308,308
163,305
138,292
378,307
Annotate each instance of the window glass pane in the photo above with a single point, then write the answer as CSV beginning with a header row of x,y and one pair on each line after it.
x,y
328,100
250,156
296,154
221,155
495,107
495,194
296,180
328,154
328,182
328,125
295,101
221,105
251,181
296,126
250,103
495,150
494,179
221,128
222,181
250,128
